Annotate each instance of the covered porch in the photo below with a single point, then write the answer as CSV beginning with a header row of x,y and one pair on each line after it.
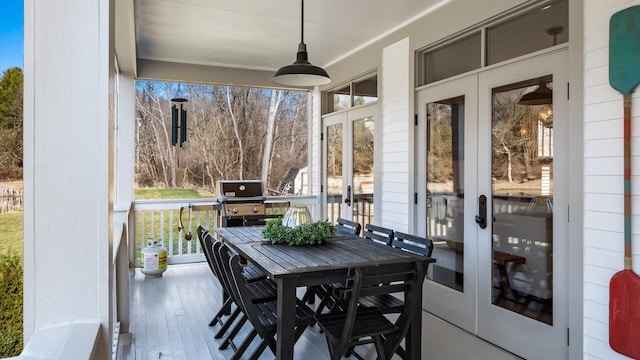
x,y
81,63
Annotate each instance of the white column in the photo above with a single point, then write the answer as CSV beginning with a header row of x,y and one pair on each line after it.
x,y
397,141
125,130
68,162
124,139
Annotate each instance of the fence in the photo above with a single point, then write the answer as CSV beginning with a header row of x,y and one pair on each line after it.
x,y
160,219
11,199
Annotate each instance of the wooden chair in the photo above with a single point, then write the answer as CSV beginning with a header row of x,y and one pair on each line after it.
x,y
261,315
378,234
342,226
345,226
415,244
372,232
357,325
207,241
412,243
262,291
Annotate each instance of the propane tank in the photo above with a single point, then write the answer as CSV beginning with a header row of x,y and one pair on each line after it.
x,y
153,259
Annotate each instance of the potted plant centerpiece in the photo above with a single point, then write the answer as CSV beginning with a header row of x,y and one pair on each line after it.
x,y
297,228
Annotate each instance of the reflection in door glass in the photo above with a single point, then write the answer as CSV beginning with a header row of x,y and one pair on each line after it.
x,y
363,171
522,186
334,171
445,190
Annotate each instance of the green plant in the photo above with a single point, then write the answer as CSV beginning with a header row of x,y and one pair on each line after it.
x,y
309,234
11,283
11,233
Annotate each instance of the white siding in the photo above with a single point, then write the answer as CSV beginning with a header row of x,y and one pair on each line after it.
x,y
396,150
603,179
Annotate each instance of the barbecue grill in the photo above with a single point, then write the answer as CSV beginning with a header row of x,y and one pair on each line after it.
x,y
242,202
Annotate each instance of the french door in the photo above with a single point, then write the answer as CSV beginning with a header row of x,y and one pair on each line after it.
x,y
494,199
348,165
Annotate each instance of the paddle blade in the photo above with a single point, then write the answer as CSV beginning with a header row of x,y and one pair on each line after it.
x,y
624,313
624,50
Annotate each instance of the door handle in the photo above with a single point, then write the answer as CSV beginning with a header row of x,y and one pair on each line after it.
x,y
347,200
481,218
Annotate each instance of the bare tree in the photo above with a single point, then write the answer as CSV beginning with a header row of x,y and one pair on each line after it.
x,y
233,133
274,104
153,115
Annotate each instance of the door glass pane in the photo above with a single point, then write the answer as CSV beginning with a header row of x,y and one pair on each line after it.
x,y
522,189
334,171
363,131
445,190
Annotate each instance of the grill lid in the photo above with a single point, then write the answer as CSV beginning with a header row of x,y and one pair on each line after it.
x,y
241,191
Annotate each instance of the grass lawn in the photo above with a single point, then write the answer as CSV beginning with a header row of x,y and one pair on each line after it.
x,y
156,193
11,233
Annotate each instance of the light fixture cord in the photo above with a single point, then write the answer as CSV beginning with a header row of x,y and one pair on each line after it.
x,y
302,21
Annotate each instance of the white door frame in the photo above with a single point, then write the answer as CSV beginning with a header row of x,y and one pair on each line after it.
x,y
473,311
533,339
346,118
456,307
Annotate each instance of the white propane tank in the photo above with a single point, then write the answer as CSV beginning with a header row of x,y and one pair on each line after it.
x,y
153,259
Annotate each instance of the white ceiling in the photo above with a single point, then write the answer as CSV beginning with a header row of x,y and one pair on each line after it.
x,y
264,34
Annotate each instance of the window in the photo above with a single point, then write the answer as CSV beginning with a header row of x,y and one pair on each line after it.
x,y
451,59
362,91
536,27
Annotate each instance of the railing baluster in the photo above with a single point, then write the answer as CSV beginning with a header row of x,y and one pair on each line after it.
x,y
198,223
191,231
170,249
142,233
162,237
153,224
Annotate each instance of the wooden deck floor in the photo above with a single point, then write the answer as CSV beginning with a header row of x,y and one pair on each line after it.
x,y
170,316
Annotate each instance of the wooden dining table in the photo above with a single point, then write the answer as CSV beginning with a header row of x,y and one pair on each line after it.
x,y
291,267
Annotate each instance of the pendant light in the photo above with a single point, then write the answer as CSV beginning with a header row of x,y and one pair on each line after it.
x,y
540,96
301,72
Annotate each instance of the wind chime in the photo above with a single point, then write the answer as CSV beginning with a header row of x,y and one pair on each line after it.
x,y
178,120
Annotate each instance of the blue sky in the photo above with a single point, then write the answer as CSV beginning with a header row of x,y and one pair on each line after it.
x,y
11,34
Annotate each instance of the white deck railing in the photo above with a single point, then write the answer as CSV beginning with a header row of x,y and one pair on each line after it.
x,y
160,220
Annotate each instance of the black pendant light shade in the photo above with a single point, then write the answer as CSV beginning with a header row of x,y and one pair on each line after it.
x,y
301,72
540,96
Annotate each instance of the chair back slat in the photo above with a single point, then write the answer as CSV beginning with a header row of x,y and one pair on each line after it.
x,y
412,243
378,233
206,241
346,226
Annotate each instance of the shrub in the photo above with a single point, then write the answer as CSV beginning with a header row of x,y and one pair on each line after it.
x,y
11,296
